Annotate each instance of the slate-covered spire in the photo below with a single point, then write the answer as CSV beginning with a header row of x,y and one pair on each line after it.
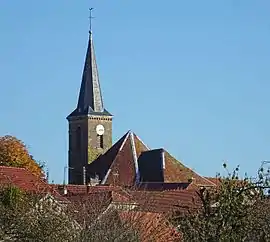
x,y
90,97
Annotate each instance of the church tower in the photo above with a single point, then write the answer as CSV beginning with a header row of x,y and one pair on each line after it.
x,y
90,124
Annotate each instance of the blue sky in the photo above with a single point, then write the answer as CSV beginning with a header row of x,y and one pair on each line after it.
x,y
189,76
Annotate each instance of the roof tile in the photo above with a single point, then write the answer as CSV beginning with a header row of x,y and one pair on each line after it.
x,y
26,181
123,168
102,164
177,172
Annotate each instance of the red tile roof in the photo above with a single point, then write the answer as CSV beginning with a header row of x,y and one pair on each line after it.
x,y
167,201
215,180
147,218
176,172
21,178
82,192
95,201
25,180
102,164
147,200
139,145
122,170
119,165
151,203
74,190
149,206
161,186
235,182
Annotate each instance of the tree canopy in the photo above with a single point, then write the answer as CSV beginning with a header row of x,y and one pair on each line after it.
x,y
33,217
13,152
237,210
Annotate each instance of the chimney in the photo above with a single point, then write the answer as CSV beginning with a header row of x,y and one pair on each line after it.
x,y
88,188
65,191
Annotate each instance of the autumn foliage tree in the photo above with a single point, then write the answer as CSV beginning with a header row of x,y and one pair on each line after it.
x,y
13,152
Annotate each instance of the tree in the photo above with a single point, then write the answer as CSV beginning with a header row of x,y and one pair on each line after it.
x,y
35,217
13,152
31,217
237,210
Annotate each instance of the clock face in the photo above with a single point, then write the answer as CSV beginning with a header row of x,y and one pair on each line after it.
x,y
100,129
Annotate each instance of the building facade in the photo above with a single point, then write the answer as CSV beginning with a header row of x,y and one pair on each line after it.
x,y
93,160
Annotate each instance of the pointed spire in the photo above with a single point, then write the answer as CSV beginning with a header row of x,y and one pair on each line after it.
x,y
90,97
90,93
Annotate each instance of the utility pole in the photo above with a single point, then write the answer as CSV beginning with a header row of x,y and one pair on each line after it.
x,y
84,175
66,168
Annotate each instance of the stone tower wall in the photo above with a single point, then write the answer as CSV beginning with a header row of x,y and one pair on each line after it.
x,y
78,154
92,135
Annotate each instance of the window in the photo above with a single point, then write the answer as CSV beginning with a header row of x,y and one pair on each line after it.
x,y
78,138
100,141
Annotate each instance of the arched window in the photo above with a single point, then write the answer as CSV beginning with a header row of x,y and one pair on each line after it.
x,y
78,138
100,141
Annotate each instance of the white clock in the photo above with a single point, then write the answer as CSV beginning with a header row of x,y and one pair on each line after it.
x,y
100,129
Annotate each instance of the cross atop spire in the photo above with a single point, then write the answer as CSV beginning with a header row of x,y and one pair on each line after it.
x,y
90,97
90,20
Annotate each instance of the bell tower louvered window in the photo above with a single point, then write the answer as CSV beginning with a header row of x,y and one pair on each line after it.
x,y
100,141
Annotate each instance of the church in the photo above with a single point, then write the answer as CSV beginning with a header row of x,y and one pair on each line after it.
x,y
94,160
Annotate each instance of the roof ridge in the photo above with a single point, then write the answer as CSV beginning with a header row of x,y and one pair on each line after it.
x,y
124,141
201,176
75,185
135,157
13,167
206,178
38,182
121,147
146,146
26,170
181,162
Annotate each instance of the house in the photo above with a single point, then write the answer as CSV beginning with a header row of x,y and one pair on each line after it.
x,y
144,211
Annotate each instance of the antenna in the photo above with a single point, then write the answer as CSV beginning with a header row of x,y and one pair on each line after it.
x,y
90,20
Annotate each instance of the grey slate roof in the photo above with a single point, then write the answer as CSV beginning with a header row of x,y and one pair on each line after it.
x,y
90,97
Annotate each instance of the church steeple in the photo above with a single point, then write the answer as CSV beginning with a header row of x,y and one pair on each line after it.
x,y
90,98
90,124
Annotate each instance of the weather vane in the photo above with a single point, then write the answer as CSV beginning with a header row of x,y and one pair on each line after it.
x,y
90,19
